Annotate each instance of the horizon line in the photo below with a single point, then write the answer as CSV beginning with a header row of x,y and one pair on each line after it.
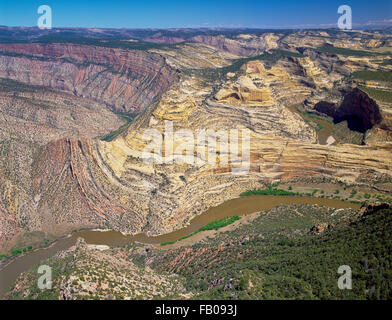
x,y
325,27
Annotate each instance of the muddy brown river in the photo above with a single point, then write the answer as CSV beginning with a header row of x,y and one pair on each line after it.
x,y
239,206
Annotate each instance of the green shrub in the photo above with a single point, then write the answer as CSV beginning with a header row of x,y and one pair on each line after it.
x,y
214,225
269,191
16,251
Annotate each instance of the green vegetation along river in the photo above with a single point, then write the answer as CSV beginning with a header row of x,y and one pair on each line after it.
x,y
235,207
324,126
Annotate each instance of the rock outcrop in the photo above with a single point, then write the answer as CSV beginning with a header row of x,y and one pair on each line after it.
x,y
320,228
126,81
62,176
369,208
109,274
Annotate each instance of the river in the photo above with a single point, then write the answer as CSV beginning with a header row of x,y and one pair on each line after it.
x,y
238,206
326,126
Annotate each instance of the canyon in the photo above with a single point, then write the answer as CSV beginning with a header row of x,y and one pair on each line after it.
x,y
60,99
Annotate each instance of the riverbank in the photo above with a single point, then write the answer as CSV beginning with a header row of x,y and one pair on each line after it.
x,y
239,206
323,189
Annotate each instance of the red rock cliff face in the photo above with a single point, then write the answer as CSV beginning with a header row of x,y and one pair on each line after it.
x,y
70,165
124,80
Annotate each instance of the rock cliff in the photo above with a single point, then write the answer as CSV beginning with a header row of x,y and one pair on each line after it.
x,y
57,174
126,81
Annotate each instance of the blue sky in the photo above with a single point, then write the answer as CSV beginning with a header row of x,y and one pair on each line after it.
x,y
202,13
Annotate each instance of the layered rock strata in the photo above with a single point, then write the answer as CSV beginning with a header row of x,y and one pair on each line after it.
x,y
124,80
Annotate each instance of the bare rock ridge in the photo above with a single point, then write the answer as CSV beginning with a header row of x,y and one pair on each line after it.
x,y
126,81
75,174
122,192
52,96
57,174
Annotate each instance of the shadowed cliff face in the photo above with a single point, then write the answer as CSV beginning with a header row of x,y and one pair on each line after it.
x,y
358,109
326,107
124,80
